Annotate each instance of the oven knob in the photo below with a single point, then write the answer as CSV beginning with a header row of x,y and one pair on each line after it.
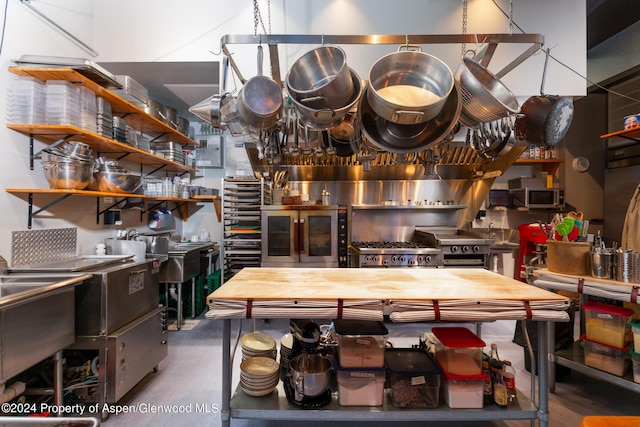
x,y
411,261
385,261
402,258
375,258
465,249
427,259
394,258
476,248
454,249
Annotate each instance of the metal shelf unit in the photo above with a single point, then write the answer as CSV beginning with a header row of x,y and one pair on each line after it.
x,y
278,408
241,208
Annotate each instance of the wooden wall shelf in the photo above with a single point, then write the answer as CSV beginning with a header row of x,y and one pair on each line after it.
x,y
548,165
182,204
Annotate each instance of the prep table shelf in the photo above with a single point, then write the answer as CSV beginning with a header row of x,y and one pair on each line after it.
x,y
278,408
573,358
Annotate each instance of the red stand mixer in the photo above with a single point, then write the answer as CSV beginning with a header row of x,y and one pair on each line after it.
x,y
533,247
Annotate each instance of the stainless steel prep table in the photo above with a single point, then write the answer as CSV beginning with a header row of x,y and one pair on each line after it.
x,y
340,285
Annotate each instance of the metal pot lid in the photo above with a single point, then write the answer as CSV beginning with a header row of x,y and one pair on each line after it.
x,y
409,138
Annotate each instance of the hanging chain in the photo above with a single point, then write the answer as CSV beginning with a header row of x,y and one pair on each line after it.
x,y
269,15
464,24
510,17
257,18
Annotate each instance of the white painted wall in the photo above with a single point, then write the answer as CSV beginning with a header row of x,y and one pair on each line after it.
x,y
166,30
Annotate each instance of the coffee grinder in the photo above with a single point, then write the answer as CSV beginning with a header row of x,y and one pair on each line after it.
x,y
306,341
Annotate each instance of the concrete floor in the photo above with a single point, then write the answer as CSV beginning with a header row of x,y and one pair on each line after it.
x,y
191,374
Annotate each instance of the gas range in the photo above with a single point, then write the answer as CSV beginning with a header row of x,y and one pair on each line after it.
x,y
394,254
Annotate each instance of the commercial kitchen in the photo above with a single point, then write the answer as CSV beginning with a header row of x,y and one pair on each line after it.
x,y
269,212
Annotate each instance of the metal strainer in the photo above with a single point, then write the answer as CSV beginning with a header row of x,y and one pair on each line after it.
x,y
484,97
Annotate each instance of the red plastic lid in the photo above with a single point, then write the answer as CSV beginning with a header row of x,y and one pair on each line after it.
x,y
626,348
614,310
457,337
483,376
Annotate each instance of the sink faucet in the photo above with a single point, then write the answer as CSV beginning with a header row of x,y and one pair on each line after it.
x,y
132,234
490,233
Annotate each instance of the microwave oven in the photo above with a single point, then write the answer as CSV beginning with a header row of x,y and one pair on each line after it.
x,y
538,198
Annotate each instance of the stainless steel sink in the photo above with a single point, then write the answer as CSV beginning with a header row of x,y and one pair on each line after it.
x,y
184,261
39,307
504,238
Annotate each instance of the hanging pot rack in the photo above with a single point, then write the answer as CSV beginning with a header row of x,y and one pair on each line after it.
x,y
488,44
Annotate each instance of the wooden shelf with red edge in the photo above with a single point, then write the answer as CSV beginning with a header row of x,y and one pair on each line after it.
x,y
100,144
135,117
633,134
548,165
183,204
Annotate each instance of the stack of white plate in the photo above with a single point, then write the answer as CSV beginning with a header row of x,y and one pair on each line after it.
x,y
286,349
258,344
259,376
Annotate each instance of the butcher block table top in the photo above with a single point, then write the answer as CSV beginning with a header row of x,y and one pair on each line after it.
x,y
377,283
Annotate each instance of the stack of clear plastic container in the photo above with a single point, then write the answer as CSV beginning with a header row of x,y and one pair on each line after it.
x,y
26,101
88,110
104,117
166,187
62,106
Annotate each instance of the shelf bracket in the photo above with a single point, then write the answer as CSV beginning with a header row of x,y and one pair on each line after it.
x,y
158,137
33,156
153,207
33,213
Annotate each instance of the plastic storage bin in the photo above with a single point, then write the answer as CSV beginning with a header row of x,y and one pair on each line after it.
x,y
361,343
635,363
414,378
607,324
604,357
463,391
635,329
360,386
458,351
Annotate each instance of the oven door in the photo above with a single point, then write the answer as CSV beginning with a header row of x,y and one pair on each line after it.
x,y
280,230
318,244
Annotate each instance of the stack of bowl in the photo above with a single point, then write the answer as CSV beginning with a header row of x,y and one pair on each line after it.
x,y
258,344
111,177
68,167
259,376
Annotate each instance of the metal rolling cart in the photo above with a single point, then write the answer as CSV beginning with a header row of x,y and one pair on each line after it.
x,y
242,245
